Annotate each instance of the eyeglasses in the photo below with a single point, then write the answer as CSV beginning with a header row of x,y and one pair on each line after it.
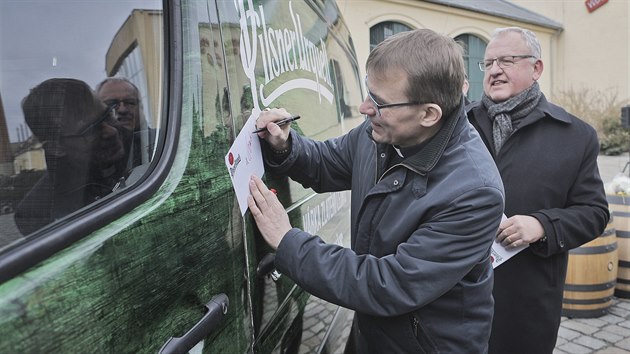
x,y
387,105
129,102
502,62
103,117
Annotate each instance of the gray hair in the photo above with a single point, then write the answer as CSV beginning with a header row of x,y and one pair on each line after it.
x,y
528,36
118,79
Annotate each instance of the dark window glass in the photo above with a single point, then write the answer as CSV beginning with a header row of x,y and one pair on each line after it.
x,y
69,139
474,48
381,31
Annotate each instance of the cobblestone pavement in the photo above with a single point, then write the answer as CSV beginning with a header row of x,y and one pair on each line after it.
x,y
609,334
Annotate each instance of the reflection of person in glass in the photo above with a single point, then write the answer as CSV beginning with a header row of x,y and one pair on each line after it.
x,y
84,151
124,96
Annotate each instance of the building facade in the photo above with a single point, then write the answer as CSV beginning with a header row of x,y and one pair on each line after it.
x,y
585,45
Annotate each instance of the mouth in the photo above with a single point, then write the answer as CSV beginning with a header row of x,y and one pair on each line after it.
x,y
375,125
497,83
124,118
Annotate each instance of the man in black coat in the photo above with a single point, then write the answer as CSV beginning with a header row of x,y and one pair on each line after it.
x,y
555,198
124,96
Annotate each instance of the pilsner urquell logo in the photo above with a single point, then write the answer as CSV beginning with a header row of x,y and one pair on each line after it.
x,y
233,163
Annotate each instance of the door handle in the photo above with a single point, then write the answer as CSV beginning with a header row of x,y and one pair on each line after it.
x,y
217,308
267,266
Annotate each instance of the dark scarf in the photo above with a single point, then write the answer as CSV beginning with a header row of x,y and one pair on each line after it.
x,y
502,114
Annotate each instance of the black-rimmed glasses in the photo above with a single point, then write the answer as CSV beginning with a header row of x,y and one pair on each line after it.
x,y
129,102
103,117
387,105
502,62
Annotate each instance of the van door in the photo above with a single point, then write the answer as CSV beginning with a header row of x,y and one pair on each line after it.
x,y
104,251
119,227
296,55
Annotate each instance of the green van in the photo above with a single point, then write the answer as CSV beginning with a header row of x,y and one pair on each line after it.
x,y
120,230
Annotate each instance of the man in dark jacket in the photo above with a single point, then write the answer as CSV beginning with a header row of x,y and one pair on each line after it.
x,y
84,148
426,203
555,198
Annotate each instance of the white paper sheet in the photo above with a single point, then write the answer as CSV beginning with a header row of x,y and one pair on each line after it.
x,y
245,159
501,254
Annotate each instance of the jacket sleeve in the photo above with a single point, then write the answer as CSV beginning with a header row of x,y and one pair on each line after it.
x,y
325,166
586,213
437,257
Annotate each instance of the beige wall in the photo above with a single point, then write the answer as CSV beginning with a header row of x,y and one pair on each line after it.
x,y
143,28
592,50
32,159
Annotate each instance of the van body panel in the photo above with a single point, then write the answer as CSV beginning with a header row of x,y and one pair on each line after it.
x,y
138,265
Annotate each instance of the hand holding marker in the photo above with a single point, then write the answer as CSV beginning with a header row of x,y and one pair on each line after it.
x,y
280,123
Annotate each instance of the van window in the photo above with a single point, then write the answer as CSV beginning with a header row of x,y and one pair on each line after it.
x,y
79,106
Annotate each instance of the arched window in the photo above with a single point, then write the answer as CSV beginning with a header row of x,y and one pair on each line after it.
x,y
381,31
474,48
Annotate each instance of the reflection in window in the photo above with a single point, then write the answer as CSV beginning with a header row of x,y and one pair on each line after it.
x,y
67,142
383,30
84,146
474,48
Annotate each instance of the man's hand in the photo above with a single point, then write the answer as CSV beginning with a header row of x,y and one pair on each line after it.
x,y
276,136
268,212
519,230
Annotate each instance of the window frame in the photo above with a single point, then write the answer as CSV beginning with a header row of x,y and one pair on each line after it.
x,y
475,76
383,25
17,258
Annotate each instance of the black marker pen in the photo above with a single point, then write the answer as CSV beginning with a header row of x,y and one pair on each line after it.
x,y
280,123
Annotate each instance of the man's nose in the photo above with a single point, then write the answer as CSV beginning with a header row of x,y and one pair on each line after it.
x,y
367,107
494,68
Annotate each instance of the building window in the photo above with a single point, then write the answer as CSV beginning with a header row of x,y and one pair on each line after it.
x,y
383,30
474,48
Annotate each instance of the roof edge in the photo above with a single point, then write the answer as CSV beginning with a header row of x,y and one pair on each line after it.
x,y
494,7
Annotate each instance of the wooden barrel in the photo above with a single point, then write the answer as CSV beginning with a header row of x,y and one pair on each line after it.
x,y
591,275
619,207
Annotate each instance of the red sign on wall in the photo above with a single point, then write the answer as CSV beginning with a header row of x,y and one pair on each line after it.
x,y
593,5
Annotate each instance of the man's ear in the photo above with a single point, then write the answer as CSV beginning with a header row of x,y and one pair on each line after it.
x,y
432,115
538,69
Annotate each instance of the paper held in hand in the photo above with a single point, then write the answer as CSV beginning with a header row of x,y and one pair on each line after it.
x,y
245,159
501,254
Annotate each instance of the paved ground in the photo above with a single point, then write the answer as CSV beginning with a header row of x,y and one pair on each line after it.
x,y
609,334
610,166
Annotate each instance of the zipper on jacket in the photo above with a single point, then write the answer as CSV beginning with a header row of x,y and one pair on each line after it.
x,y
376,164
414,325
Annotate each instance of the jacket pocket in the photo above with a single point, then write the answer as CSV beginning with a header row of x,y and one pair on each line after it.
x,y
427,346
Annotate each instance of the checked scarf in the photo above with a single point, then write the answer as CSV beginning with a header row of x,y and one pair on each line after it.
x,y
504,113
